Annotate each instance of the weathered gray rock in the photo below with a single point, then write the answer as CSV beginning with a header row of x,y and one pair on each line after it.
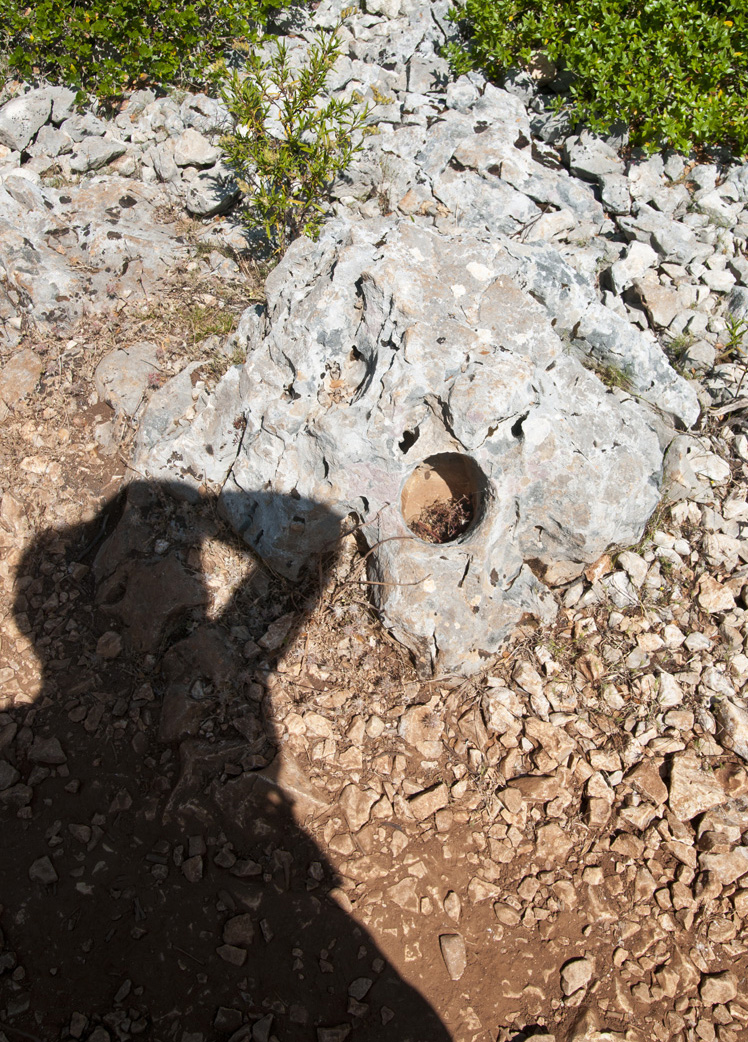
x,y
212,192
192,148
673,240
113,244
93,153
22,117
737,303
206,115
395,354
638,259
123,377
591,158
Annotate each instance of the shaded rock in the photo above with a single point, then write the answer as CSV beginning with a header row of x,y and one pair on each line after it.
x,y
212,192
43,871
8,775
47,750
239,931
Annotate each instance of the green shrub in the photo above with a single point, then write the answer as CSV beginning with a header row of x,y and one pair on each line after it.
x,y
290,144
675,70
107,46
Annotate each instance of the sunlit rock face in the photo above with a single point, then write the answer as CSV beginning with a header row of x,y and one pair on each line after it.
x,y
431,388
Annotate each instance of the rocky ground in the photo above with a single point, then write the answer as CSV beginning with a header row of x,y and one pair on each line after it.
x,y
231,808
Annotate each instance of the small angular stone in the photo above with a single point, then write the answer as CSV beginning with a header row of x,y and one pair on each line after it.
x,y
239,931
231,954
454,954
43,871
692,789
427,802
576,974
718,988
356,805
109,645
48,751
714,597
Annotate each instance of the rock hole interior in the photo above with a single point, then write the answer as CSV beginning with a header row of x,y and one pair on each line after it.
x,y
441,500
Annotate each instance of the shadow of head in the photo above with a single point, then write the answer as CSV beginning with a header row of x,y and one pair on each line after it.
x,y
174,600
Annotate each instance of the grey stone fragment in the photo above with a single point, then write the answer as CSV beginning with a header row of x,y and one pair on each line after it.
x,y
427,73
212,192
615,194
454,954
673,240
164,163
551,127
638,258
22,117
461,94
93,153
591,158
191,148
700,356
50,141
167,406
123,376
737,303
206,115
83,125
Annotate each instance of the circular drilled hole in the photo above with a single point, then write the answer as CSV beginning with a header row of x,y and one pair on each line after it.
x,y
442,499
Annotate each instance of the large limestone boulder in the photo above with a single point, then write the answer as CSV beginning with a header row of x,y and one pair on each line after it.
x,y
416,383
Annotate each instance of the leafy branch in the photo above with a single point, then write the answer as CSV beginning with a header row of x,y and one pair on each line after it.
x,y
290,143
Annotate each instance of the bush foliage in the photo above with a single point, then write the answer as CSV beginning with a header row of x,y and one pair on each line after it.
x,y
107,46
291,141
675,70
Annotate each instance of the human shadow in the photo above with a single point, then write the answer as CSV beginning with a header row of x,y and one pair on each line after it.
x,y
156,877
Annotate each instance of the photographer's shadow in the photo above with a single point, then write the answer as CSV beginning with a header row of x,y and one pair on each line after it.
x,y
157,879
